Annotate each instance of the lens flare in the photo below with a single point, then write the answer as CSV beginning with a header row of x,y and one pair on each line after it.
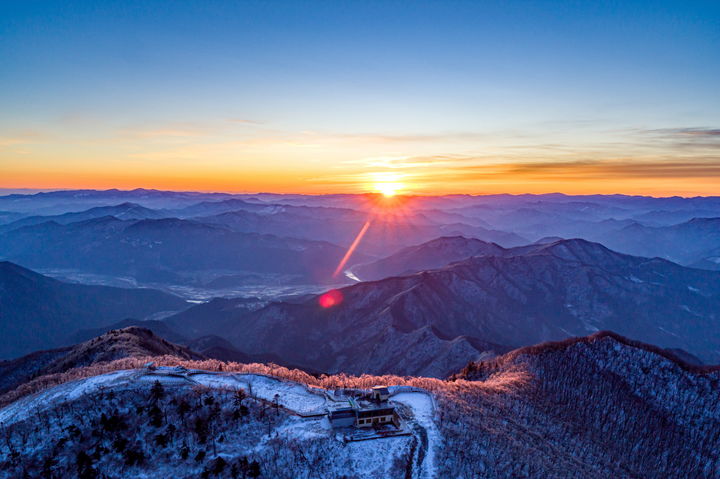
x,y
332,298
351,249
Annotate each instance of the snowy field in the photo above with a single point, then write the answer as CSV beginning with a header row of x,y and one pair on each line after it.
x,y
292,396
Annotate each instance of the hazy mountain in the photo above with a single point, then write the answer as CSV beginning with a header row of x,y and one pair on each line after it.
x,y
115,344
166,250
63,201
340,226
709,260
210,208
674,217
124,211
684,243
9,217
37,312
206,345
431,322
431,255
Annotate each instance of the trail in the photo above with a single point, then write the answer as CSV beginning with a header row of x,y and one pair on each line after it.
x,y
429,435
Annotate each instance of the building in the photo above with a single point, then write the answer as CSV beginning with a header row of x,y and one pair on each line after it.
x,y
363,413
375,416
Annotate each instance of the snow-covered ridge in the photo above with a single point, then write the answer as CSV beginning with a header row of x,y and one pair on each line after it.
x,y
295,397
306,402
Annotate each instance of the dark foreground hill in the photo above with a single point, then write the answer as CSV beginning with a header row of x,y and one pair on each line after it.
x,y
595,408
37,312
431,323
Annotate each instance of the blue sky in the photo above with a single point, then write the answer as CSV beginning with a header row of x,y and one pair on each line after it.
x,y
166,84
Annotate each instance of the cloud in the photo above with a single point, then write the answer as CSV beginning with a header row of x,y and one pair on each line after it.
x,y
585,170
23,137
693,132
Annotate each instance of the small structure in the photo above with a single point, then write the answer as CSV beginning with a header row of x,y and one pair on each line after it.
x,y
379,393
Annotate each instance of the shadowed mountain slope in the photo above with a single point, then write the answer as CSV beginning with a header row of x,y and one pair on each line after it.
x,y
37,312
592,407
431,255
433,322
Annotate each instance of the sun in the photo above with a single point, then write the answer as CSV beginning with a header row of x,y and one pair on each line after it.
x,y
388,189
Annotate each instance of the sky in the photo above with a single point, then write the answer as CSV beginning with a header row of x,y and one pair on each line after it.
x,y
342,96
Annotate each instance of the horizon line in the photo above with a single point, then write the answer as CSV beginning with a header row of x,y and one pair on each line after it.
x,y
34,191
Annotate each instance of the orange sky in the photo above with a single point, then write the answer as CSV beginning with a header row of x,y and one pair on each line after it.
x,y
252,159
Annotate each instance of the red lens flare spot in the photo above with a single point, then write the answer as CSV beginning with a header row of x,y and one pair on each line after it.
x,y
331,298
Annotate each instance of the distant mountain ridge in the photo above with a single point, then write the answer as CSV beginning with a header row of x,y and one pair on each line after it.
x,y
685,243
123,211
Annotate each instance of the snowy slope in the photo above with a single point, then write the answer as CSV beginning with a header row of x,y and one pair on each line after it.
x,y
293,433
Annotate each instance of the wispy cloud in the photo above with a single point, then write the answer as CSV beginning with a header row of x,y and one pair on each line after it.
x,y
693,132
598,169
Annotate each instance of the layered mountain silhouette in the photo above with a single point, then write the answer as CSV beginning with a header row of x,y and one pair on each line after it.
x,y
431,323
165,250
123,211
38,312
689,243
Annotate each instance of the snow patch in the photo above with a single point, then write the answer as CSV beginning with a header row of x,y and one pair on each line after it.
x,y
423,407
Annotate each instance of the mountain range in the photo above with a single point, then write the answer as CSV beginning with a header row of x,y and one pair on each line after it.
x,y
431,323
38,312
168,250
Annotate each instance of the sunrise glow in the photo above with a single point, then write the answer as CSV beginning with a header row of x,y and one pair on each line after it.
x,y
388,189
